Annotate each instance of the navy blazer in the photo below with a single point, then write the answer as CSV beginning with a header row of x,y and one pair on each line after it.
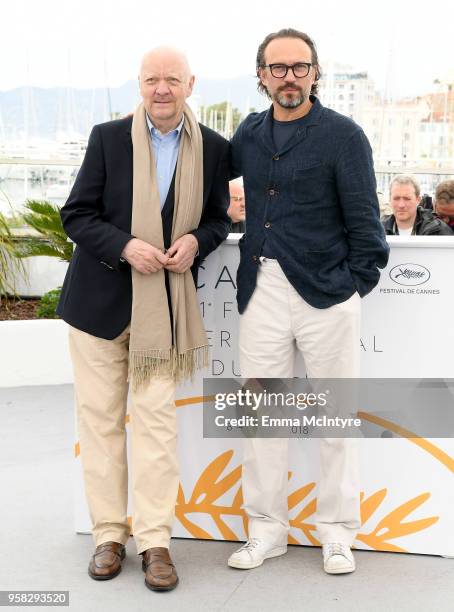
x,y
97,291
316,202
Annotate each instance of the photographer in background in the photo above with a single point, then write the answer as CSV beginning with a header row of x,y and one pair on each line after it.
x,y
409,218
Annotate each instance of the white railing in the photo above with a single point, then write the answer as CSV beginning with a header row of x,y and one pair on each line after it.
x,y
52,179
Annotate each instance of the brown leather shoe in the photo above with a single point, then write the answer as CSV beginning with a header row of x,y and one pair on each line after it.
x,y
160,572
106,561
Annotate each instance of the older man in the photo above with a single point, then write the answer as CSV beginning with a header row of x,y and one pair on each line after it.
x,y
148,204
313,248
408,217
237,208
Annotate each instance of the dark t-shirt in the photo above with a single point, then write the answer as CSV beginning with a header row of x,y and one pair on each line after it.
x,y
284,130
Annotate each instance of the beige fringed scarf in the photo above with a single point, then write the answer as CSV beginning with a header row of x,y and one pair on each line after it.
x,y
150,349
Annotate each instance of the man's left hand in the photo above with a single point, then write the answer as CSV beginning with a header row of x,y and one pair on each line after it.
x,y
182,253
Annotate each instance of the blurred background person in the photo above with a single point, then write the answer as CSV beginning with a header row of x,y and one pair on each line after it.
x,y
426,201
409,218
237,208
444,202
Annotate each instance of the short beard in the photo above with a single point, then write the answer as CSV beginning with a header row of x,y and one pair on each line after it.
x,y
293,102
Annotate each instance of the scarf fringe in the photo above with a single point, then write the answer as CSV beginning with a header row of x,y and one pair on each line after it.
x,y
144,365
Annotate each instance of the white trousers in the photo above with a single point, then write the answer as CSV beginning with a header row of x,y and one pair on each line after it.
x,y
276,323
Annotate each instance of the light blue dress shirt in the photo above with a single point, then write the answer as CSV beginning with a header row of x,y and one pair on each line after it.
x,y
165,149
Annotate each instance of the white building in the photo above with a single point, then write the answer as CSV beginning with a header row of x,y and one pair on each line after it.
x,y
402,133
436,141
347,92
393,130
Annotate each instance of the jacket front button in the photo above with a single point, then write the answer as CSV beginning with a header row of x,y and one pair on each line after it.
x,y
267,224
254,258
271,192
276,157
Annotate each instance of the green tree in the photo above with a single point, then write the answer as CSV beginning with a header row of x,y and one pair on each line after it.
x,y
48,304
10,265
44,217
218,113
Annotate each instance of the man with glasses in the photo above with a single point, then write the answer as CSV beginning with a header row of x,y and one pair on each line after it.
x,y
313,248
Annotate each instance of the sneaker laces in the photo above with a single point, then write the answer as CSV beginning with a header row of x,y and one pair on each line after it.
x,y
250,544
337,549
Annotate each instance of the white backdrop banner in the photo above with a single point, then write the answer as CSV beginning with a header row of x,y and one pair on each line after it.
x,y
407,484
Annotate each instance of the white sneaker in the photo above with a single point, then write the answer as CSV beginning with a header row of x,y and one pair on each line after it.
x,y
338,558
254,553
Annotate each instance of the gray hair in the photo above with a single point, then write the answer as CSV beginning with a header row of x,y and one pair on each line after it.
x,y
406,179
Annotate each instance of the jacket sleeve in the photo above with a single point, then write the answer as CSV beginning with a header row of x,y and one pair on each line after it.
x,y
235,153
445,230
82,216
357,192
214,224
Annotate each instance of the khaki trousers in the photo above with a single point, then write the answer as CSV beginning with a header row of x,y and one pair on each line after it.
x,y
101,392
276,323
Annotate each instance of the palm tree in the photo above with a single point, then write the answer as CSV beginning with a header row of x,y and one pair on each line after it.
x,y
44,217
10,266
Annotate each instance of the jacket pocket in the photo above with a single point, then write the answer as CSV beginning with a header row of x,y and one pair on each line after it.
x,y
309,184
333,255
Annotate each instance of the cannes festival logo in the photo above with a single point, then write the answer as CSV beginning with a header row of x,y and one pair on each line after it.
x,y
409,274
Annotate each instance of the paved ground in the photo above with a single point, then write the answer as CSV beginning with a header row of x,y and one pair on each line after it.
x,y
39,549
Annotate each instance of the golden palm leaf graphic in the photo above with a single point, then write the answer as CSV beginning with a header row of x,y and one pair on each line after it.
x,y
213,483
210,487
392,525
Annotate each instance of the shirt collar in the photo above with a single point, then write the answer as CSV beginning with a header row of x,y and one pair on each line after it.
x,y
155,132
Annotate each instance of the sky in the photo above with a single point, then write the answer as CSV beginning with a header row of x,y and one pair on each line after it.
x,y
403,45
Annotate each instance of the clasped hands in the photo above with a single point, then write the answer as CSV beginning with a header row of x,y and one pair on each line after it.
x,y
147,259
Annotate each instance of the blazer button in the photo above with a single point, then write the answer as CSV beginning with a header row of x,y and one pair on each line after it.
x,y
271,192
254,258
276,157
267,224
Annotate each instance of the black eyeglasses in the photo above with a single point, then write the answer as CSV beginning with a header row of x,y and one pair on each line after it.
x,y
279,71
